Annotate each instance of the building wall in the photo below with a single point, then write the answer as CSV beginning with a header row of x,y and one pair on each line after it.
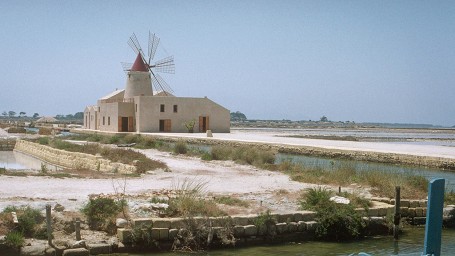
x,y
91,118
110,112
148,114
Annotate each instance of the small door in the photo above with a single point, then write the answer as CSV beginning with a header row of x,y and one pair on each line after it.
x,y
130,124
165,125
203,123
124,123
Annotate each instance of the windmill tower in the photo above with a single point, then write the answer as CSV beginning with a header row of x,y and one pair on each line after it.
x,y
142,74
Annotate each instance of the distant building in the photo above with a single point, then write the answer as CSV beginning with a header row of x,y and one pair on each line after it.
x,y
138,109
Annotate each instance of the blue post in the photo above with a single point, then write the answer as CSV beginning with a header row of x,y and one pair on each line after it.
x,y
433,228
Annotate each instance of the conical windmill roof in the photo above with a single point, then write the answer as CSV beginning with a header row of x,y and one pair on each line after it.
x,y
139,64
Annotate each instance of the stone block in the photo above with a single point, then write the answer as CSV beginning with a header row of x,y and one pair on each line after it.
x,y
421,212
160,234
423,203
382,211
143,222
411,212
76,252
311,225
373,212
405,203
239,231
307,216
414,203
173,233
33,250
293,227
161,223
282,228
96,249
240,220
177,223
301,226
251,230
124,235
285,218
404,211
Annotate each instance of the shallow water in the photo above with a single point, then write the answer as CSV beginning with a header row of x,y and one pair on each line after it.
x,y
12,160
410,243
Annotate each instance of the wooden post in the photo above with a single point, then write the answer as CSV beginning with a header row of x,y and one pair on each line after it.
x,y
49,224
433,227
397,215
78,229
339,190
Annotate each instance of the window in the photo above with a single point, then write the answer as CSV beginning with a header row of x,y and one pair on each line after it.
x,y
108,120
103,121
162,108
175,108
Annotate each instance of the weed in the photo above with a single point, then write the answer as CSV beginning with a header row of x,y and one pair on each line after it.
x,y
27,217
43,140
231,201
100,212
180,147
44,169
14,239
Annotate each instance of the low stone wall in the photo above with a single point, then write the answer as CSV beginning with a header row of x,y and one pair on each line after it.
x,y
7,144
74,160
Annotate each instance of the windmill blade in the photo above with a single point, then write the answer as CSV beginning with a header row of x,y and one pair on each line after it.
x,y
153,45
134,44
165,65
159,83
126,66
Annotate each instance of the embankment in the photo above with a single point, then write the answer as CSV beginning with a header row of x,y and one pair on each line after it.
x,y
73,160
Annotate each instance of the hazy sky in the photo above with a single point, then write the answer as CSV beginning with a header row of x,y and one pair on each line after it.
x,y
383,61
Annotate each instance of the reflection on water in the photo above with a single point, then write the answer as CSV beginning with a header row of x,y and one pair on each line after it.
x,y
410,243
12,160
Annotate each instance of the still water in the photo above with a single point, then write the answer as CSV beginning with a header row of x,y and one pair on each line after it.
x,y
410,243
12,160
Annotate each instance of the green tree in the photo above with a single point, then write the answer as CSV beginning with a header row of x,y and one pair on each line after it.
x,y
238,116
36,115
11,113
79,115
22,114
324,119
5,113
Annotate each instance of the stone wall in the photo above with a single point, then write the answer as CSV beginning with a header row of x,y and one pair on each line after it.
x,y
68,159
7,144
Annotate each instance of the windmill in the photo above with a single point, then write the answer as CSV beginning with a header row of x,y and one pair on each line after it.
x,y
165,65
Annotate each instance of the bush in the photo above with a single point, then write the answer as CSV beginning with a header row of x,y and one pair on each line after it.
x,y
221,152
28,219
45,131
14,239
337,222
101,213
43,140
180,147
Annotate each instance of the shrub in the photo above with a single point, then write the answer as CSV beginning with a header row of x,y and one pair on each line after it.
x,y
337,222
45,131
221,152
206,156
43,140
231,201
14,239
113,140
180,147
101,212
28,219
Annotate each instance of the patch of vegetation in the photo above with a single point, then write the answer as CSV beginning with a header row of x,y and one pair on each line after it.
x,y
14,239
43,140
180,147
449,197
28,218
227,200
101,213
337,222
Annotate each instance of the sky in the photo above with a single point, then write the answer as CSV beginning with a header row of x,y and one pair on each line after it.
x,y
362,61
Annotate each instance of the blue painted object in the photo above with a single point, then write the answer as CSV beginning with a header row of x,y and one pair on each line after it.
x,y
433,228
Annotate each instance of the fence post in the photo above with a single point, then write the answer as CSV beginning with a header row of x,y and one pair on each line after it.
x,y
433,227
49,224
397,215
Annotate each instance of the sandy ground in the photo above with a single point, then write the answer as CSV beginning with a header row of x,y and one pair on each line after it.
x,y
275,190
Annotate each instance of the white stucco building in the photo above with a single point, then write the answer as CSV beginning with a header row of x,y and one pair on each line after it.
x,y
138,109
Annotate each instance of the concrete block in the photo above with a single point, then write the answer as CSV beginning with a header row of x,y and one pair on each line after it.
x,y
251,230
420,212
307,216
404,211
423,203
240,220
124,235
411,212
177,223
382,211
282,228
96,249
76,252
285,218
